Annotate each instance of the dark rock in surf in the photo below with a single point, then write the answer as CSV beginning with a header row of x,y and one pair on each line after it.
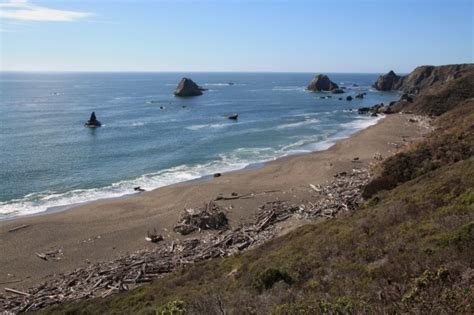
x,y
364,110
93,122
349,98
187,87
234,116
338,91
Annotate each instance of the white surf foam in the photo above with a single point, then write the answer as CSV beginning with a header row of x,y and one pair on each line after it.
x,y
206,126
299,124
40,202
362,123
289,88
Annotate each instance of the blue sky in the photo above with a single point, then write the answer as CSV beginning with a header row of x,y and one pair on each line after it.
x,y
282,36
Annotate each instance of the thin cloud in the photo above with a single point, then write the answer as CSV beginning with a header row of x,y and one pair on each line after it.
x,y
25,11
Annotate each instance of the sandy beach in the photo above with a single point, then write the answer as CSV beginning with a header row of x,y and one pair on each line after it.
x,y
102,230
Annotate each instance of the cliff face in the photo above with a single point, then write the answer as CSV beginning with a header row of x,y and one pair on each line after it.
x,y
438,98
427,76
422,77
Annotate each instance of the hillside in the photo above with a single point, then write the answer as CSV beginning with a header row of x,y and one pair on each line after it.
x,y
407,249
422,78
438,99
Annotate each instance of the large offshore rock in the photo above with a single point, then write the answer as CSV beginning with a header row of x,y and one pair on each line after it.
x,y
188,87
321,83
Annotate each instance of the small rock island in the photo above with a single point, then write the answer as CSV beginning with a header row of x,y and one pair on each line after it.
x,y
322,82
188,87
92,122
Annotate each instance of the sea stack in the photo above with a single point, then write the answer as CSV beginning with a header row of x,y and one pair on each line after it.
x,y
388,82
188,87
320,83
92,122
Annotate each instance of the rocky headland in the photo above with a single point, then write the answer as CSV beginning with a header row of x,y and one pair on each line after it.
x,y
427,90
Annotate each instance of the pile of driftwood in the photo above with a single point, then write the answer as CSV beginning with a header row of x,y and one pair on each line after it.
x,y
124,273
342,194
210,217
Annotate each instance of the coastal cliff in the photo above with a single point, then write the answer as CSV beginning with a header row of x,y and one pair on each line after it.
x,y
422,77
428,90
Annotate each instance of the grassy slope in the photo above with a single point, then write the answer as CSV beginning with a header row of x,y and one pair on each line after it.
x,y
440,98
452,141
409,249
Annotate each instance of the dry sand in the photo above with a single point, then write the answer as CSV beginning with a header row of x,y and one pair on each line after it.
x,y
105,229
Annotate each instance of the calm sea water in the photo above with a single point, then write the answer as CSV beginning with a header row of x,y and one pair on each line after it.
x,y
151,138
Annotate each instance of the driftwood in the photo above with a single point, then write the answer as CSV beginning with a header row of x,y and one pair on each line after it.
x,y
53,254
131,270
153,237
17,292
18,228
210,217
11,281
41,256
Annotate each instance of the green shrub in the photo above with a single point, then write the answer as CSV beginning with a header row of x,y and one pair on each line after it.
x,y
175,307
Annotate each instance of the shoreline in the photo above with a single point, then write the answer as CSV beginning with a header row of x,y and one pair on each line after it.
x,y
70,207
104,229
326,144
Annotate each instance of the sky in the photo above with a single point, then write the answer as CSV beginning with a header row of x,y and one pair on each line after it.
x,y
234,35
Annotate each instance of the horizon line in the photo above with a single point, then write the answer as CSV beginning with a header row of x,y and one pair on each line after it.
x,y
183,71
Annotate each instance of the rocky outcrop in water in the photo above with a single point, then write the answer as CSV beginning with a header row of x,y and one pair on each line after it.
x,y
92,122
233,116
188,87
321,83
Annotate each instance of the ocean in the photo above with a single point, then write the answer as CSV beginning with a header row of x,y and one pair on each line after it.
x,y
151,138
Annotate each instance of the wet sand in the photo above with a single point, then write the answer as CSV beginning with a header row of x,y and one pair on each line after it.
x,y
103,230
